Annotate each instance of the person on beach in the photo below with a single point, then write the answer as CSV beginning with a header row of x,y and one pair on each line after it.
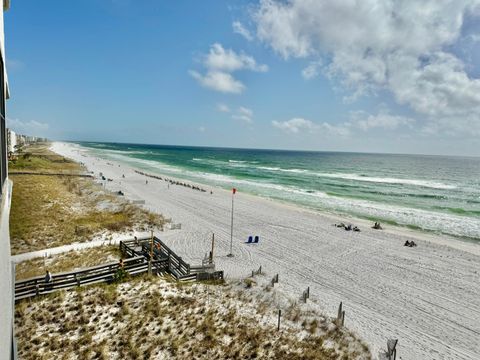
x,y
377,226
48,277
48,281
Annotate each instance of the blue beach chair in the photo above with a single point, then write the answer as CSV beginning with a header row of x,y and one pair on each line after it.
x,y
250,240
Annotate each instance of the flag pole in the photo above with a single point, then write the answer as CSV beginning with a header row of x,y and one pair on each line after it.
x,y
231,225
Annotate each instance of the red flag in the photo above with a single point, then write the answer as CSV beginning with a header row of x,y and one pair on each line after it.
x,y
234,190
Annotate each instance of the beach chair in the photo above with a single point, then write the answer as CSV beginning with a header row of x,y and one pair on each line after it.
x,y
250,239
256,240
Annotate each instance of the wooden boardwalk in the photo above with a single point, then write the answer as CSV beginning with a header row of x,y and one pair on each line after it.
x,y
177,267
137,252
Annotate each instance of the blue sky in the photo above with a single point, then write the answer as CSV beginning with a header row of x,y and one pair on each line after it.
x,y
296,74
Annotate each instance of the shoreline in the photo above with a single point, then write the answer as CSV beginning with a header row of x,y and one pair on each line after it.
x,y
459,243
388,290
439,203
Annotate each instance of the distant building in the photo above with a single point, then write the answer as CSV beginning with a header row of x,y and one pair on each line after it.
x,y
7,273
21,140
11,141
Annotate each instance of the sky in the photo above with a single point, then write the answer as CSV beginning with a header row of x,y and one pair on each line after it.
x,y
367,76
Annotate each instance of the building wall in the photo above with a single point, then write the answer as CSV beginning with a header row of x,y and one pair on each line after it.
x,y
7,351
6,279
3,97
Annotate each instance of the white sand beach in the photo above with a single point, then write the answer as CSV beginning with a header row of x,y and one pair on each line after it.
x,y
427,296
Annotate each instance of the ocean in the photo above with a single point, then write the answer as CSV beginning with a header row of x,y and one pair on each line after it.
x,y
438,194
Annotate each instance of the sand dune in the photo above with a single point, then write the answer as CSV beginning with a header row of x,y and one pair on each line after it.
x,y
428,297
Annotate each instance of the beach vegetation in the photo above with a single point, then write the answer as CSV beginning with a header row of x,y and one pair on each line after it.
x,y
54,210
67,261
150,317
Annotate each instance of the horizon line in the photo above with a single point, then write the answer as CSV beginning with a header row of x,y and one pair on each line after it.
x,y
267,149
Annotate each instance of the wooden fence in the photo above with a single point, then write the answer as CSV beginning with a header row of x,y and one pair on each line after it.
x,y
96,274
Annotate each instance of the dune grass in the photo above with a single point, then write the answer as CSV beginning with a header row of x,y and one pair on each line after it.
x,y
150,318
49,211
38,157
68,261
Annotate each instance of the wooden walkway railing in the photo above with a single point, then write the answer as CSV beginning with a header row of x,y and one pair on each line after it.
x,y
96,274
180,269
137,262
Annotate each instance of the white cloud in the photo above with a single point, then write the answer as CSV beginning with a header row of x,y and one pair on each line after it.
x,y
219,81
243,114
359,120
383,120
294,125
312,70
403,47
223,108
31,127
298,125
219,64
245,111
228,60
202,129
238,28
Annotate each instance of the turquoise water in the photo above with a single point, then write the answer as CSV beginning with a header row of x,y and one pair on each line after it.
x,y
431,193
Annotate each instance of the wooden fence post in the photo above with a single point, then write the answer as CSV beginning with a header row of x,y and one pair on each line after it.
x,y
306,294
151,254
213,244
339,314
279,316
392,348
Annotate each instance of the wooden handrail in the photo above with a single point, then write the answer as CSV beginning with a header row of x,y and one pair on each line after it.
x,y
37,285
80,271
